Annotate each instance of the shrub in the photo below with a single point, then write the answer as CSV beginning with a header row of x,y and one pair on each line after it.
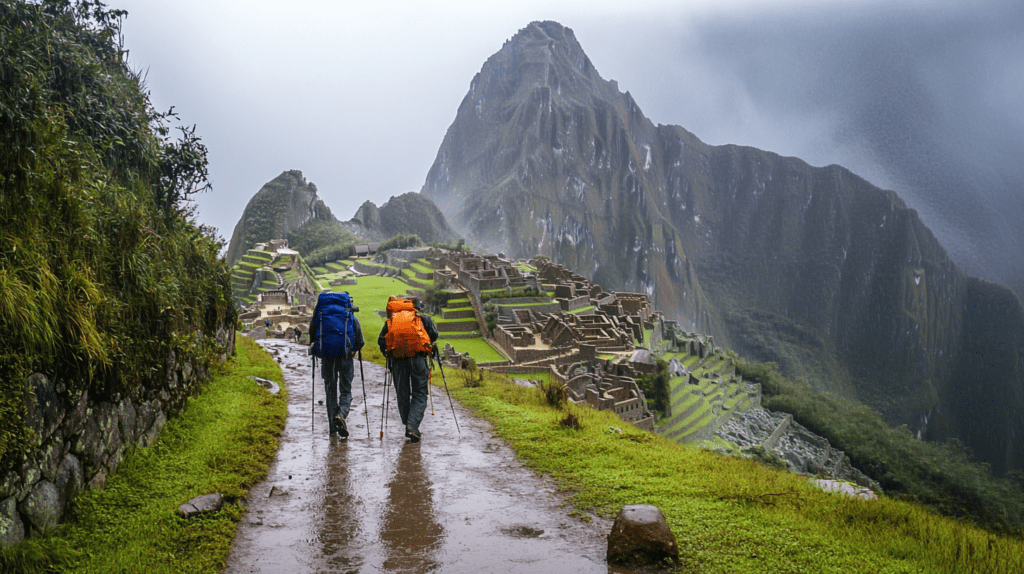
x,y
104,273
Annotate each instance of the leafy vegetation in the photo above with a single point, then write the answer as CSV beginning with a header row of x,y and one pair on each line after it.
x,y
321,241
656,389
400,241
459,245
939,476
103,271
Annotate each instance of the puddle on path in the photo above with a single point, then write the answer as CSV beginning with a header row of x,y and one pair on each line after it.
x,y
452,503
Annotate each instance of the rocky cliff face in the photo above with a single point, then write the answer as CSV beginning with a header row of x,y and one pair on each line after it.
x,y
814,268
281,206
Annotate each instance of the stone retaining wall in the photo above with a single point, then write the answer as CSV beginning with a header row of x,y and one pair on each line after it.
x,y
79,442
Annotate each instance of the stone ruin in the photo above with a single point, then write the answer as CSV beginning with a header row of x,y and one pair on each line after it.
x,y
563,336
288,306
283,310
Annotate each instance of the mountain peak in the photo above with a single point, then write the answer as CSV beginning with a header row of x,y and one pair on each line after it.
x,y
812,268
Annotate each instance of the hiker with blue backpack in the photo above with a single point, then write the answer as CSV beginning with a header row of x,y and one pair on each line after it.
x,y
336,337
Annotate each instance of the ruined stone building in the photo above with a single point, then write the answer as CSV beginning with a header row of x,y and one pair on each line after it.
x,y
562,335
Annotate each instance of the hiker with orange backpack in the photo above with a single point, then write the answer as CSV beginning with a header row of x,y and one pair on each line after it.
x,y
406,339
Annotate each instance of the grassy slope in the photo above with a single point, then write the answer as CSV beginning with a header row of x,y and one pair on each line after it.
x,y
729,514
223,442
372,292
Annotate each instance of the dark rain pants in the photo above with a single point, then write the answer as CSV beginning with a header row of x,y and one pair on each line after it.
x,y
338,372
411,376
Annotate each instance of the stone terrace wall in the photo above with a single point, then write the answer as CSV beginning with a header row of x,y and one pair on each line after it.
x,y
80,442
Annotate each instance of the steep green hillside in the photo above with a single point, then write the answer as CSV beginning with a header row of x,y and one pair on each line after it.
x,y
322,240
280,207
103,273
813,268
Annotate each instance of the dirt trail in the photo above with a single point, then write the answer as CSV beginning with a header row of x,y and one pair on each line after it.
x,y
452,503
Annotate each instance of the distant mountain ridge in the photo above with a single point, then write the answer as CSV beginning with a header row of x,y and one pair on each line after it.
x,y
289,206
814,268
409,213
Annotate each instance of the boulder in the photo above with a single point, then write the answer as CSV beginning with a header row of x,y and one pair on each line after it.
x,y
640,536
44,409
201,505
74,421
94,442
153,432
12,529
48,457
69,479
127,416
271,386
42,507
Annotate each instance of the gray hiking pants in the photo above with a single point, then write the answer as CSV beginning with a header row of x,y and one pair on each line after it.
x,y
412,379
338,372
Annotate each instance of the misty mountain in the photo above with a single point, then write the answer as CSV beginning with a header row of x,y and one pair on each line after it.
x,y
288,207
409,213
281,206
816,269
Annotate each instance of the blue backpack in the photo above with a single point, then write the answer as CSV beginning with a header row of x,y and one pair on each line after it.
x,y
334,324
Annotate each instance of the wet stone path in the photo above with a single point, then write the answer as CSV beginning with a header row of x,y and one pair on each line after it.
x,y
458,503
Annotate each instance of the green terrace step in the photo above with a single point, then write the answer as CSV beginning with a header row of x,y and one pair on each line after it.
x,y
682,407
690,361
443,327
460,335
696,421
694,429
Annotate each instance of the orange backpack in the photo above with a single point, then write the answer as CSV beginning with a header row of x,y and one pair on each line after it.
x,y
406,336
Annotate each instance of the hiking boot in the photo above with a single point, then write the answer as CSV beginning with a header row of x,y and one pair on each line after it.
x,y
339,423
413,436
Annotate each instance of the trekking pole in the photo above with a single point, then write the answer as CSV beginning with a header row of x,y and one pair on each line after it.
x,y
312,398
430,378
383,406
445,379
366,407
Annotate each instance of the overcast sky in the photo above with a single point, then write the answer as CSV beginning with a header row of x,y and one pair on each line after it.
x,y
926,98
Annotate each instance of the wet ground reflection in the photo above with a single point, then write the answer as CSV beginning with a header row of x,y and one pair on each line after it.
x,y
454,502
410,534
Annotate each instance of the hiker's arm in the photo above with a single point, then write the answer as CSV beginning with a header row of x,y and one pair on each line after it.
x,y
358,330
313,323
428,325
381,339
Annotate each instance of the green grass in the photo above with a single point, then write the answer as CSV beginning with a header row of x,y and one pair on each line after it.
x,y
583,309
372,293
440,320
730,514
222,443
422,268
479,349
